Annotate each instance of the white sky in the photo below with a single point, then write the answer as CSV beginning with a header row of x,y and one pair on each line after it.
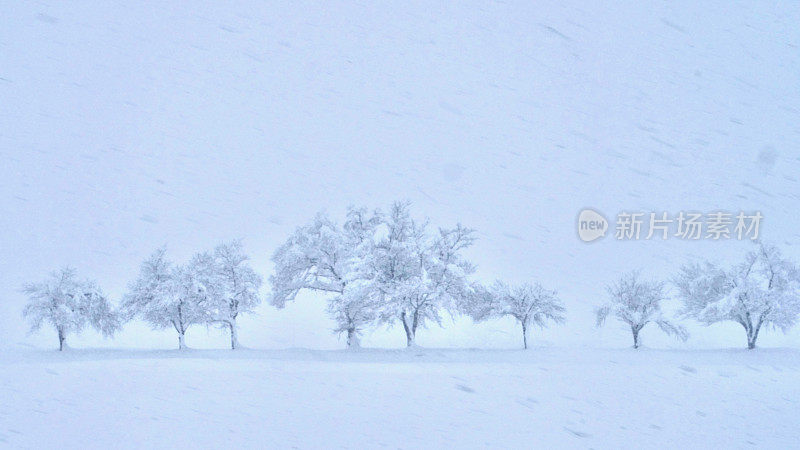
x,y
124,127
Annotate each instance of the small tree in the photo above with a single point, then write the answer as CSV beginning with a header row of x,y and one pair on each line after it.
x,y
231,285
762,290
69,304
529,304
353,311
329,259
167,295
417,273
637,302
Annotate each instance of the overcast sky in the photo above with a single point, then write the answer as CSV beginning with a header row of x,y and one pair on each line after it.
x,y
124,127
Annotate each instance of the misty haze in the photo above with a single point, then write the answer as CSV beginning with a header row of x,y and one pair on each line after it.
x,y
399,225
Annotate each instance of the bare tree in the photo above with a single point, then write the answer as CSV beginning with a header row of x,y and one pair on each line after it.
x,y
762,290
638,302
167,295
69,304
231,285
418,273
329,259
529,304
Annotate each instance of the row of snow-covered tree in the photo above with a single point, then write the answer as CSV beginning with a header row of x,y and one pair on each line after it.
x,y
761,291
388,268
213,288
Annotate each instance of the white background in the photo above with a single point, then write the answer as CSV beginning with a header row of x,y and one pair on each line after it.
x,y
125,126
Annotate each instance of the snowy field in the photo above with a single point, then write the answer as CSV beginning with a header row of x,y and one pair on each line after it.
x,y
542,398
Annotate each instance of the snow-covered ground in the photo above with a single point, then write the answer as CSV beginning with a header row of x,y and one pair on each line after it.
x,y
421,398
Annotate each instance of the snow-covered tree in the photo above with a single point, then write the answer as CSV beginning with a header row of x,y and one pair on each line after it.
x,y
230,283
529,304
329,259
167,295
637,302
380,267
418,273
353,311
69,304
762,290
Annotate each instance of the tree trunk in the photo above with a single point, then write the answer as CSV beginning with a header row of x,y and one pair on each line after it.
x,y
752,333
524,336
181,340
752,337
411,330
62,338
352,339
635,331
180,328
411,340
234,335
